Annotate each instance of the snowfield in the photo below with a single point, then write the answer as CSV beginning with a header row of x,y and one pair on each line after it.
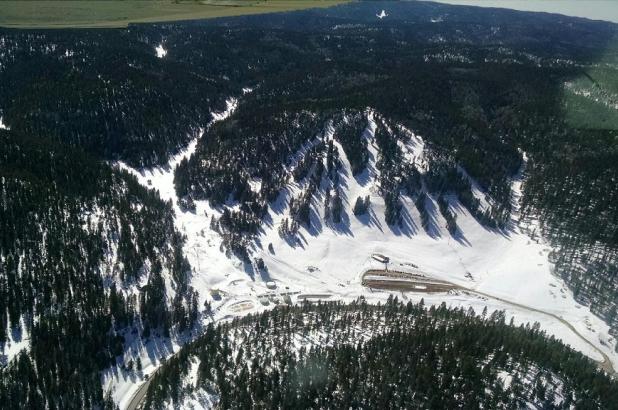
x,y
509,268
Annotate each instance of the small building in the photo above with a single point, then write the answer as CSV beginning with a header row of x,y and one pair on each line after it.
x,y
380,258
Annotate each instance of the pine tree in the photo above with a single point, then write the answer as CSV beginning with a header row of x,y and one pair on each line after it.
x,y
359,207
337,207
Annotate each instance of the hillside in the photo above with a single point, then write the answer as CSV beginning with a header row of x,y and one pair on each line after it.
x,y
163,177
391,356
310,246
88,257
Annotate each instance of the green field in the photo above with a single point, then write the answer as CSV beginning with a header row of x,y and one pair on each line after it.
x,y
119,13
591,100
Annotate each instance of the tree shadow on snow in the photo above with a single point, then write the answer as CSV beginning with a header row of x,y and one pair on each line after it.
x,y
343,227
407,224
264,274
315,222
248,268
158,347
459,236
16,333
368,173
370,219
432,229
279,205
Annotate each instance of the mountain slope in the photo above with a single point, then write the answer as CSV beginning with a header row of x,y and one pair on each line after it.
x,y
315,255
85,253
448,140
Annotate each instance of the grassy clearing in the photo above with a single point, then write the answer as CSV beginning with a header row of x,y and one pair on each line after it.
x,y
591,100
117,13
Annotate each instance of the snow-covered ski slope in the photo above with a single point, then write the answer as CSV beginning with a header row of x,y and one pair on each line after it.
x,y
510,265
327,260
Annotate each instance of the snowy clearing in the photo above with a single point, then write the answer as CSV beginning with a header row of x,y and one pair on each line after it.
x,y
18,339
161,52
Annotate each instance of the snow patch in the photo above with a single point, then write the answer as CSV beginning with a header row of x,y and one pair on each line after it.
x,y
161,52
3,126
18,339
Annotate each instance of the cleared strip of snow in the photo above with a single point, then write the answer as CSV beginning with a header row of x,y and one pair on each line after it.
x,y
162,178
402,279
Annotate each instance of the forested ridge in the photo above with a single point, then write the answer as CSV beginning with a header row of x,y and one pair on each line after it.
x,y
85,250
104,91
398,355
